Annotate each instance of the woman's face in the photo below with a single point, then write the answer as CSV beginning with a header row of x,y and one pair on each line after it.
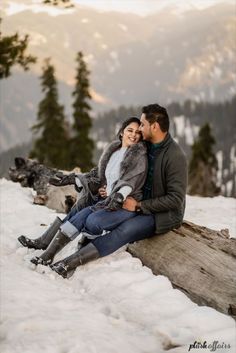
x,y
131,135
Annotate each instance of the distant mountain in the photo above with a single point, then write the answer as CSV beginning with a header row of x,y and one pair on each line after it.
x,y
164,57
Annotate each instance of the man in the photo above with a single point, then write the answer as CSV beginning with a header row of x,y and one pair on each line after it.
x,y
163,205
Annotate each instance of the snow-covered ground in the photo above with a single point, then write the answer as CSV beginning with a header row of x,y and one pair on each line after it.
x,y
212,212
113,305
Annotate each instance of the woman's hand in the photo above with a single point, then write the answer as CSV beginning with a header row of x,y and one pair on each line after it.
x,y
116,202
62,180
102,191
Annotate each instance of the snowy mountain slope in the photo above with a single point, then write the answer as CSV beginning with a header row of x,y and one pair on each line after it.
x,y
112,305
133,60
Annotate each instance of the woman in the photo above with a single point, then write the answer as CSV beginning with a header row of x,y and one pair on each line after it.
x,y
122,169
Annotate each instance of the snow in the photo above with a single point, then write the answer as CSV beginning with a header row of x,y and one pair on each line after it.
x,y
229,187
104,46
233,159
84,20
213,212
217,73
185,129
188,131
219,157
37,39
97,35
111,305
179,122
114,55
123,27
14,7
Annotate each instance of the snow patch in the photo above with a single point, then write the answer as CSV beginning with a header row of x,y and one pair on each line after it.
x,y
104,46
113,304
37,39
179,122
97,35
123,27
85,20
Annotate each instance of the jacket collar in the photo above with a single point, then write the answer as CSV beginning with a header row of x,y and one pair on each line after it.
x,y
163,144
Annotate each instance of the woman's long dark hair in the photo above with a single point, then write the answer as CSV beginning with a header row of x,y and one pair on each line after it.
x,y
132,119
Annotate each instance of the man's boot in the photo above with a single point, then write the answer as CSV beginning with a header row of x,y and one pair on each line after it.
x,y
83,240
45,239
80,257
57,244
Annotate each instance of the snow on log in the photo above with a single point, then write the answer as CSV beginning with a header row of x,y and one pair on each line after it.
x,y
199,261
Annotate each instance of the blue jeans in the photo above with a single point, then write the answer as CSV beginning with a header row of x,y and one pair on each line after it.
x,y
93,222
137,228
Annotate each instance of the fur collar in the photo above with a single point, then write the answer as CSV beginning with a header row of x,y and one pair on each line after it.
x,y
131,156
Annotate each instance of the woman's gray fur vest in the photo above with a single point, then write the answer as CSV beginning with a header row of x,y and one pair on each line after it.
x,y
133,171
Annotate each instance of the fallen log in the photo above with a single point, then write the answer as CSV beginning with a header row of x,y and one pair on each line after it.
x,y
30,173
199,261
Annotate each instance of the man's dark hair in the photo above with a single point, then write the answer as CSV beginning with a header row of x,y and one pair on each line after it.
x,y
156,113
132,119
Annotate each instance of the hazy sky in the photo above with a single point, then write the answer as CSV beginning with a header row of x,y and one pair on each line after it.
x,y
141,7
147,6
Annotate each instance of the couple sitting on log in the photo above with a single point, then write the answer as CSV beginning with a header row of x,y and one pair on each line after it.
x,y
138,190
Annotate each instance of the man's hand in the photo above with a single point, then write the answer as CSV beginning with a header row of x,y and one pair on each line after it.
x,y
130,204
102,191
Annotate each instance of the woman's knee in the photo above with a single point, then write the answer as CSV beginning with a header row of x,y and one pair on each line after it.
x,y
70,215
92,225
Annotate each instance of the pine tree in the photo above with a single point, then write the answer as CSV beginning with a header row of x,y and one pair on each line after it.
x,y
66,3
12,52
203,165
81,146
51,146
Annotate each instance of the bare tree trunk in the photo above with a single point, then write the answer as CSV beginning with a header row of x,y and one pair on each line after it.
x,y
197,260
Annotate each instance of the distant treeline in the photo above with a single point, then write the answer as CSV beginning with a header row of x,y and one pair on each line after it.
x,y
220,116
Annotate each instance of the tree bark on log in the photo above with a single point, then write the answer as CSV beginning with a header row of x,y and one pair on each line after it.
x,y
199,261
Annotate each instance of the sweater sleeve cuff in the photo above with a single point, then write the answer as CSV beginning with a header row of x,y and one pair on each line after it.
x,y
125,191
78,184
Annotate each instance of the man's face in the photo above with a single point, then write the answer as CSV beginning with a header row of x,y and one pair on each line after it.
x,y
145,128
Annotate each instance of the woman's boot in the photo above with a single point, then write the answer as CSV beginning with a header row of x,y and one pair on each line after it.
x,y
80,257
45,239
83,242
57,244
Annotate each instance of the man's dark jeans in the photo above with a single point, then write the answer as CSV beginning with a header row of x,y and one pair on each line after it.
x,y
134,229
